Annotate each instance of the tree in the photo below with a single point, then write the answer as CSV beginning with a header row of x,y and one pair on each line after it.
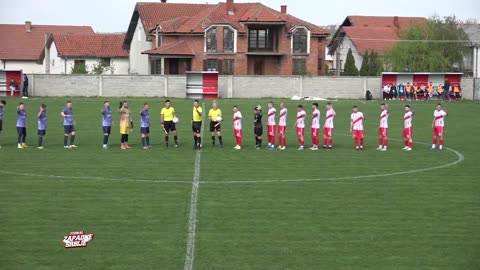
x,y
102,67
365,68
79,68
375,65
438,46
350,69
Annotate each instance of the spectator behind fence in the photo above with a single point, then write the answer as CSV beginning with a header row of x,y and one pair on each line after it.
x,y
393,92
386,91
415,90
13,87
408,89
446,88
25,87
401,92
457,91
429,93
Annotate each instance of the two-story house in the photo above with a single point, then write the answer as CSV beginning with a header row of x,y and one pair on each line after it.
x,y
231,38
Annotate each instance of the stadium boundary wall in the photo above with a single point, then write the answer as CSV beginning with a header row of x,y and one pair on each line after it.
x,y
229,86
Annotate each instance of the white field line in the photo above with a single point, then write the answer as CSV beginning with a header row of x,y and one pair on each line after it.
x,y
192,216
459,155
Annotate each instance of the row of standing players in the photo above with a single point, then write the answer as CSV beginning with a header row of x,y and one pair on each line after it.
x,y
169,120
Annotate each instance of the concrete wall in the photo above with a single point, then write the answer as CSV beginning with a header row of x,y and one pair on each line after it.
x,y
229,86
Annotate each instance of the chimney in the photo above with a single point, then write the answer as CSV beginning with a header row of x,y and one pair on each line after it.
x,y
230,10
163,1
28,26
396,22
283,9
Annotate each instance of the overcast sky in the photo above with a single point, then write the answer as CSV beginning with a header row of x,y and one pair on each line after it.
x,y
114,15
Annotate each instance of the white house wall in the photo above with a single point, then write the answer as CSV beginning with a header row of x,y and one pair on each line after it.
x,y
121,65
344,47
138,61
28,67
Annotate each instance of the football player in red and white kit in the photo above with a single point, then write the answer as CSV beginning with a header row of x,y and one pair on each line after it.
x,y
408,129
438,125
237,127
383,129
315,127
328,127
356,128
271,125
300,126
282,127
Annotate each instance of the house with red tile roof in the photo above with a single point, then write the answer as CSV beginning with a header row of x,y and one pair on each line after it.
x,y
22,45
368,33
228,37
64,52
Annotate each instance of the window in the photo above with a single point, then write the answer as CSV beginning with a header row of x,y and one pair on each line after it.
x,y
228,40
299,67
79,66
300,41
228,67
156,67
105,62
211,37
159,40
211,65
260,38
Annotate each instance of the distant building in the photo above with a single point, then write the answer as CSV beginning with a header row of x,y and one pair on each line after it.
x,y
368,33
65,51
22,45
231,38
472,60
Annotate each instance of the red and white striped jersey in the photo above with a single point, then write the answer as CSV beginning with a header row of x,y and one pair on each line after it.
x,y
282,121
384,119
357,120
301,119
407,118
329,116
439,118
237,120
271,116
316,119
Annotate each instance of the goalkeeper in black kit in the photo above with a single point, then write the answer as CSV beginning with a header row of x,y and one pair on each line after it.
x,y
258,127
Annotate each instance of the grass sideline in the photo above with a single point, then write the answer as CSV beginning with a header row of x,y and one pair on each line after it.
x,y
137,202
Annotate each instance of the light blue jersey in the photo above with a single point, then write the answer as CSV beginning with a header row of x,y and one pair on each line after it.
x,y
42,121
68,119
107,117
145,119
21,118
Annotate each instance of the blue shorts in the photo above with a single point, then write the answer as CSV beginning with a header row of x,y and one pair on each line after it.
x,y
145,130
69,129
107,130
42,132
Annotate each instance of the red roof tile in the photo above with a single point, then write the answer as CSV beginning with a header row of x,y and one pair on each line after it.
x,y
178,48
90,45
384,21
18,44
372,39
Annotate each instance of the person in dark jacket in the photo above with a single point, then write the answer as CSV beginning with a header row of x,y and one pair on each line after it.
x,y
25,86
446,90
258,127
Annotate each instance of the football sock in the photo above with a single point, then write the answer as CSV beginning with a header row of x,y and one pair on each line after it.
x,y
166,140
220,139
385,142
175,138
65,140
331,142
434,141
199,141
122,139
40,140
380,142
410,144
213,140
19,139
72,139
256,141
302,142
147,140
260,142
325,141
361,141
143,141
195,140
441,141
126,138
105,139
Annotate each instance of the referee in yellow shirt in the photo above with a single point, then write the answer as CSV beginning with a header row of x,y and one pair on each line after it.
x,y
197,125
166,117
215,125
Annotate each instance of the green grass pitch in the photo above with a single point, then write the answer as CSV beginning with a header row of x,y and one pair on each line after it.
x,y
264,210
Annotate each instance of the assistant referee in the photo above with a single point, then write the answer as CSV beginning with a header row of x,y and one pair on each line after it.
x,y
197,125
